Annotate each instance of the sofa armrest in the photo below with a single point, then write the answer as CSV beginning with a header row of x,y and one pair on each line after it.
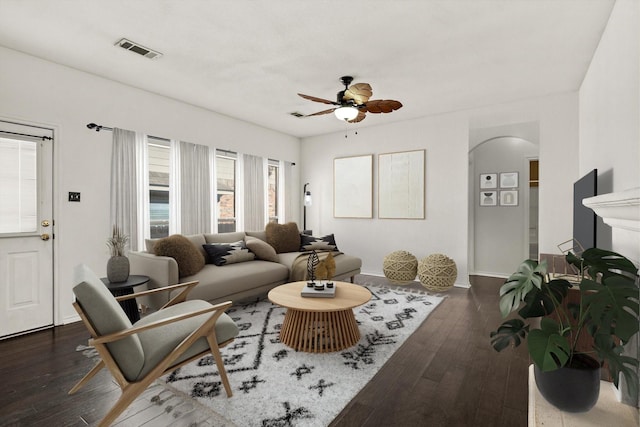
x,y
162,271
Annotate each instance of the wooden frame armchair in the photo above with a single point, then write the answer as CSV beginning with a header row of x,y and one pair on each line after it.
x,y
179,333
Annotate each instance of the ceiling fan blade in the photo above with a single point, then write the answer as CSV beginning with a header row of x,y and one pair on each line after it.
x,y
359,93
360,117
382,106
319,113
316,99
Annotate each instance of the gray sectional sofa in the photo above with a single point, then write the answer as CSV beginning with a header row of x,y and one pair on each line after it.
x,y
234,281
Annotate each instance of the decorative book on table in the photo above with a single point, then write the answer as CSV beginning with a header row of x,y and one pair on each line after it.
x,y
319,289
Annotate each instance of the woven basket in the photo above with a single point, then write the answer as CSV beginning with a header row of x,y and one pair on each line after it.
x,y
437,272
400,267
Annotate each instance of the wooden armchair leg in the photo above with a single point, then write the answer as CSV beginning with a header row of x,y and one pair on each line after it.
x,y
215,351
129,394
87,377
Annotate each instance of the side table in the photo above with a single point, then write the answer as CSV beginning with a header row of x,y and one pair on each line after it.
x,y
130,306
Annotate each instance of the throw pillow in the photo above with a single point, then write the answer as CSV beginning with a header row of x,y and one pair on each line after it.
x,y
190,260
324,243
227,253
262,249
283,237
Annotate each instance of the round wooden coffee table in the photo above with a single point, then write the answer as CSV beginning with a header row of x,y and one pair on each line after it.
x,y
319,325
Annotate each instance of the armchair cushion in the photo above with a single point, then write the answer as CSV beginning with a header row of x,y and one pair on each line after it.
x,y
106,316
159,342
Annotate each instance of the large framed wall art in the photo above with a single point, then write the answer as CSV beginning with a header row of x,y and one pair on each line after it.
x,y
353,187
401,183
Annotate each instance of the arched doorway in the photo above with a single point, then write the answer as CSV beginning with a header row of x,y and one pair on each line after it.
x,y
503,205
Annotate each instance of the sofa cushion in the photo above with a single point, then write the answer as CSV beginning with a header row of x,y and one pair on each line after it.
x,y
228,253
223,282
324,243
262,235
262,249
188,257
224,237
283,237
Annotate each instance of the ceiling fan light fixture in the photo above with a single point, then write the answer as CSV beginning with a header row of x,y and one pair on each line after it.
x,y
346,113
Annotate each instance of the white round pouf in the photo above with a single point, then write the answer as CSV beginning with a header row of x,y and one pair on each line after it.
x,y
400,267
437,272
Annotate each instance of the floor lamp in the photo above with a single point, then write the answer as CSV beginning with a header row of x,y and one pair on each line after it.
x,y
307,202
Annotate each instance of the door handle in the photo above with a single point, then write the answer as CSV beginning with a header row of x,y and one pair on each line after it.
x,y
45,223
44,236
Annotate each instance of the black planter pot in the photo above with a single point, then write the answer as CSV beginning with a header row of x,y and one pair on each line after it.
x,y
571,389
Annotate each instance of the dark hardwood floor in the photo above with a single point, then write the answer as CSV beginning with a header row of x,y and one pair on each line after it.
x,y
445,374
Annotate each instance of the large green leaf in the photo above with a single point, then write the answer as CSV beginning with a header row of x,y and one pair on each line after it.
x,y
530,274
596,260
542,302
618,364
547,347
613,305
510,332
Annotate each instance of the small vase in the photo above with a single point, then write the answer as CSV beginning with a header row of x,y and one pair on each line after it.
x,y
118,269
571,389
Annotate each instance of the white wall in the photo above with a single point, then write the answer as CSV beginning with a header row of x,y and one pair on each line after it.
x,y
446,138
40,91
610,113
610,101
444,228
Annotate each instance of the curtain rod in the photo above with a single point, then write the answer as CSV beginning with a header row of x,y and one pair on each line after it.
x,y
98,128
26,134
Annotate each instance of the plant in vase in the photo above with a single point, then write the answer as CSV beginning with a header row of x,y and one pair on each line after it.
x,y
607,310
118,264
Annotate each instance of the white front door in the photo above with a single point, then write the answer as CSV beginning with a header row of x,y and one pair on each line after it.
x,y
26,228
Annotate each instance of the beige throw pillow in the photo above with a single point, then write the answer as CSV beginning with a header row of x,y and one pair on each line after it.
x,y
262,249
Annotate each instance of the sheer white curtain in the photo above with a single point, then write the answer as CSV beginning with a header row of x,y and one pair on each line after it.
x,y
195,189
254,171
129,179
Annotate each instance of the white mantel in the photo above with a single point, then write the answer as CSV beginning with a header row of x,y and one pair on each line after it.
x,y
619,210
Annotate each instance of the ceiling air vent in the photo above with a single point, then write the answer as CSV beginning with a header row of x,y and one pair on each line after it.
x,y
297,114
140,50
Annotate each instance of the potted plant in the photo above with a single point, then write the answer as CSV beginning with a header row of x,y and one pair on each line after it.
x,y
118,264
607,310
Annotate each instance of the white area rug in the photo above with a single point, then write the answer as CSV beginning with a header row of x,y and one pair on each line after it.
x,y
273,385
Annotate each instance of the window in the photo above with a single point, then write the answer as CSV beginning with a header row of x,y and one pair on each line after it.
x,y
226,185
272,190
18,186
159,174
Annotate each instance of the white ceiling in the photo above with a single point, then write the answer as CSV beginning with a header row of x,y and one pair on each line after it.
x,y
249,59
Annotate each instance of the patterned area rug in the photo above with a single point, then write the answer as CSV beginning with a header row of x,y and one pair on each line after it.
x,y
274,385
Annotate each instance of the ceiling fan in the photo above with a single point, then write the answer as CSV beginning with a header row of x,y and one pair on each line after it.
x,y
353,102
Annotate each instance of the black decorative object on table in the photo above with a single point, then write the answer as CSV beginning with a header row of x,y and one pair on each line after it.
x,y
129,306
312,263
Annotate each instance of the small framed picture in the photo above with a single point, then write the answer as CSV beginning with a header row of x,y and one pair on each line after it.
x,y
488,180
509,180
509,198
488,198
